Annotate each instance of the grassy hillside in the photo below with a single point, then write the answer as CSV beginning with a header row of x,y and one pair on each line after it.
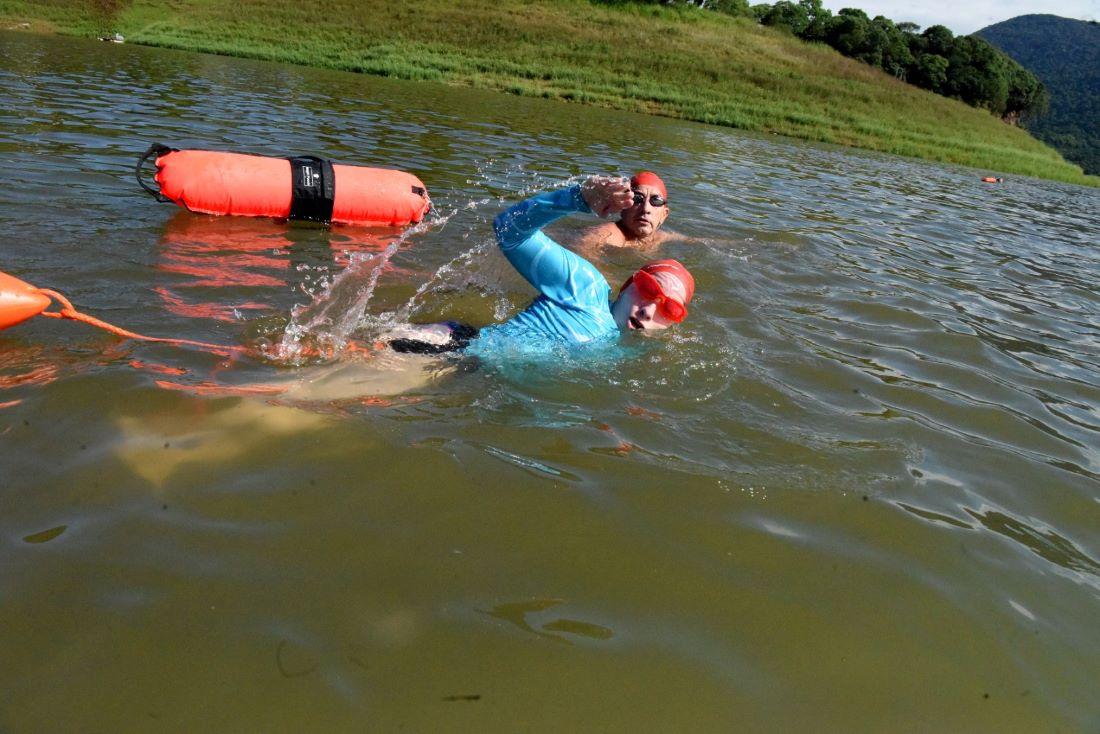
x,y
682,63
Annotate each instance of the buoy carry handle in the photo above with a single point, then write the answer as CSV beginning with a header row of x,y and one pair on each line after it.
x,y
158,150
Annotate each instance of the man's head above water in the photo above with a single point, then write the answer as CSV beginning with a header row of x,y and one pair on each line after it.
x,y
649,206
641,221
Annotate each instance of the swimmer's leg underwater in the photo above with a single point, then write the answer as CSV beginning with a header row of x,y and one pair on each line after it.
x,y
236,420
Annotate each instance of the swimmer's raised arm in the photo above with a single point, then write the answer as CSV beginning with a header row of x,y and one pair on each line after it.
x,y
601,195
555,271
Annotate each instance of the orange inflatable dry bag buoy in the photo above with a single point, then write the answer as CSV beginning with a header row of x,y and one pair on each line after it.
x,y
305,187
19,301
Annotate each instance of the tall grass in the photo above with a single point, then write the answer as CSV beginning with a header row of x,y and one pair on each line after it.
x,y
678,62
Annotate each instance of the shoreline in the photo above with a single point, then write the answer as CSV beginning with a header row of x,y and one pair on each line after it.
x,y
696,65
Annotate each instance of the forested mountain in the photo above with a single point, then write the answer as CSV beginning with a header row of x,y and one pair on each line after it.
x,y
1065,55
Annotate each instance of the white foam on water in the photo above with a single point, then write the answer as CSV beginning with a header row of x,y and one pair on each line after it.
x,y
338,309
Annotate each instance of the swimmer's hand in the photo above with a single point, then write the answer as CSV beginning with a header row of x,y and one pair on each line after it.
x,y
607,195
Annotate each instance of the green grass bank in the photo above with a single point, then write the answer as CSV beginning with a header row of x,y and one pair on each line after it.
x,y
678,62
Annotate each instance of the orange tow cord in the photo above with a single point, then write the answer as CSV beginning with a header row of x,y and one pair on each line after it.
x,y
68,312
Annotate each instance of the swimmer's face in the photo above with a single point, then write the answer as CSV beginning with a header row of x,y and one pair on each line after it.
x,y
643,219
632,311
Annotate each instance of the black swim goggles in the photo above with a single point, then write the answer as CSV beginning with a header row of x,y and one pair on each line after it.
x,y
655,200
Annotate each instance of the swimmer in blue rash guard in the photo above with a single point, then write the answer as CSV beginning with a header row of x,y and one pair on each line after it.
x,y
573,306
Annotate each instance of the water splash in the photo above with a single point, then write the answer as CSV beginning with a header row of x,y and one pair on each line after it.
x,y
323,326
460,264
517,182
338,307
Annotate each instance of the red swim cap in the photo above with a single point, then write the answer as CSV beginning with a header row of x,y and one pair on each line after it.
x,y
674,278
649,178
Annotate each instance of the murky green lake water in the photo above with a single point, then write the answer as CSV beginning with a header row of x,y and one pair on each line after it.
x,y
859,490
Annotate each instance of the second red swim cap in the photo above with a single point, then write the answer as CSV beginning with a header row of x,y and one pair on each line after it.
x,y
649,178
674,278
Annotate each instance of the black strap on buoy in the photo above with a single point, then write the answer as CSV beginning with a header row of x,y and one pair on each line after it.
x,y
313,188
158,150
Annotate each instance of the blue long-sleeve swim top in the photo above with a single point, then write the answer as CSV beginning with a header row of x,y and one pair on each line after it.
x,y
573,305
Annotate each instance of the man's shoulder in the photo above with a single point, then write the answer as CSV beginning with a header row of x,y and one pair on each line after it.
x,y
607,233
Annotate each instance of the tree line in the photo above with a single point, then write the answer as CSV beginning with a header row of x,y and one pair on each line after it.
x,y
967,68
